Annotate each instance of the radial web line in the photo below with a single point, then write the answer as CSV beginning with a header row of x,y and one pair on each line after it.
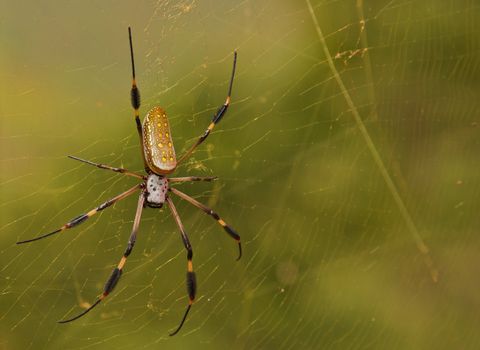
x,y
422,247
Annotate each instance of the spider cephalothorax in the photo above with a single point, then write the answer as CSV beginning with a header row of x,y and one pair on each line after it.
x,y
156,190
159,160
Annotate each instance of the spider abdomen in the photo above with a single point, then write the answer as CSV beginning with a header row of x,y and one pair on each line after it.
x,y
157,142
156,190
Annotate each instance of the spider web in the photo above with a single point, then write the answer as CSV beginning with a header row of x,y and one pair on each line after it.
x,y
348,162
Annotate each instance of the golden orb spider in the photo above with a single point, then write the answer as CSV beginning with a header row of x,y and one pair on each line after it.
x,y
159,160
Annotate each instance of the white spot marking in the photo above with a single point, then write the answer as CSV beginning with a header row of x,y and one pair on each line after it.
x,y
157,189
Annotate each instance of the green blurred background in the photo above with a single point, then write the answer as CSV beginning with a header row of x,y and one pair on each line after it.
x,y
331,260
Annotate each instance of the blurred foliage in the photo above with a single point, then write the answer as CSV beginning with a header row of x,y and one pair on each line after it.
x,y
329,260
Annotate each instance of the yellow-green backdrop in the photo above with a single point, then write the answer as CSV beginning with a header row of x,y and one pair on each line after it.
x,y
348,161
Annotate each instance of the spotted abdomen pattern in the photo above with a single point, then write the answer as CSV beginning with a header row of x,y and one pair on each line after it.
x,y
157,142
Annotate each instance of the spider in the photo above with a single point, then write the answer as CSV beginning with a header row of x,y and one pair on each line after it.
x,y
159,160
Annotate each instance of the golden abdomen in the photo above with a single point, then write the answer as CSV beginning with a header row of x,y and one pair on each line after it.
x,y
157,142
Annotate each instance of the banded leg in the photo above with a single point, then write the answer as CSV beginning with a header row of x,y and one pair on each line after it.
x,y
81,218
191,279
135,99
217,117
117,272
210,212
192,178
107,167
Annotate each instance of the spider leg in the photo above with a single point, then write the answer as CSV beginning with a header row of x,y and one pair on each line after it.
x,y
191,279
192,178
135,100
117,272
213,214
81,218
216,118
107,167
